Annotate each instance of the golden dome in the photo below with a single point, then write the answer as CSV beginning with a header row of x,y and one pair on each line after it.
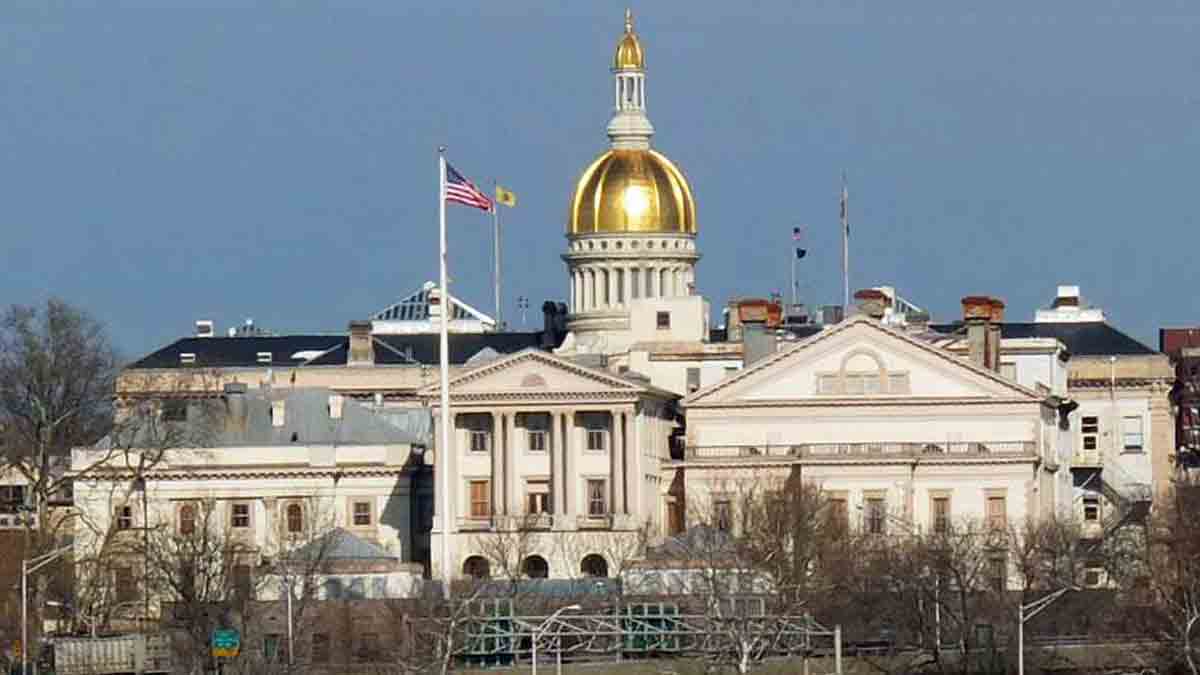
x,y
635,191
629,54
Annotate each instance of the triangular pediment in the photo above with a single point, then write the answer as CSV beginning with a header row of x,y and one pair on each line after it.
x,y
536,372
861,359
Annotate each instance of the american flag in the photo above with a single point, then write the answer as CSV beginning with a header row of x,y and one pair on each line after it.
x,y
462,191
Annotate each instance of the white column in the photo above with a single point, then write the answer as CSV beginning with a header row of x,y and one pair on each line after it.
x,y
617,453
497,451
611,271
555,446
571,290
512,477
585,275
571,469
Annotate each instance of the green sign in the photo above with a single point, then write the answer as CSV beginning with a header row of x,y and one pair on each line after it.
x,y
226,642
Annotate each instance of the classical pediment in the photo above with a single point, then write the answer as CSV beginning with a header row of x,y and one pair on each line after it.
x,y
861,359
537,373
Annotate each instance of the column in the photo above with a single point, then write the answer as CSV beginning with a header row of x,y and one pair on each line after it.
x,y
617,454
512,476
570,466
631,283
589,289
555,448
571,284
611,271
633,460
497,451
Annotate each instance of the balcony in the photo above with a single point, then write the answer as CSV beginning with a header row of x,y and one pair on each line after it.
x,y
837,451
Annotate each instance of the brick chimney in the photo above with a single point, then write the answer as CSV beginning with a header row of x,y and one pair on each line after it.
x,y
983,316
362,349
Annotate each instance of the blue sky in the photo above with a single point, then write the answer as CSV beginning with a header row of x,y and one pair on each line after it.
x,y
162,162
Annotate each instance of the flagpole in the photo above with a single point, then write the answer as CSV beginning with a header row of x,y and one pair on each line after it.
x,y
792,251
496,255
444,358
845,246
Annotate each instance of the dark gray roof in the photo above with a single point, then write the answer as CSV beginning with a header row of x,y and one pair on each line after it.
x,y
340,545
1089,338
404,349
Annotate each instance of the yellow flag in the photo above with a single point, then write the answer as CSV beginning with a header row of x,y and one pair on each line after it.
x,y
506,197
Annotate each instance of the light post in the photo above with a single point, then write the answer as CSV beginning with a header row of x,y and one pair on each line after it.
x,y
1027,612
29,566
542,628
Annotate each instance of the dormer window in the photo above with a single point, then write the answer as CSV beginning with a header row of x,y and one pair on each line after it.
x,y
264,357
187,358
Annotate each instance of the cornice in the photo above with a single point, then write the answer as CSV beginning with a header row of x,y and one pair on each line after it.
x,y
761,462
860,401
103,475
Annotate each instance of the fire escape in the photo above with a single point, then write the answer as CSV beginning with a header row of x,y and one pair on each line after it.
x,y
1098,472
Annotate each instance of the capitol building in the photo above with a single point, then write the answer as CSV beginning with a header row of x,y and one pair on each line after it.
x,y
628,417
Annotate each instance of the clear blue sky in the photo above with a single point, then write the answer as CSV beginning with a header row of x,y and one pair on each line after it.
x,y
167,161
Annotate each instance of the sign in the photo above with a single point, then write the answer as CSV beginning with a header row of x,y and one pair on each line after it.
x,y
226,642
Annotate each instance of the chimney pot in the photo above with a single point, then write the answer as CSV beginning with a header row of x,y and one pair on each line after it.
x,y
873,302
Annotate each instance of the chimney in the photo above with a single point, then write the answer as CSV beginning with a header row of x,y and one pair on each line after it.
x,y
362,349
917,322
983,315
873,302
204,328
235,406
757,342
1067,296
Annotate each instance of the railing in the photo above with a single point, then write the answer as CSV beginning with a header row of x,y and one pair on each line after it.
x,y
929,449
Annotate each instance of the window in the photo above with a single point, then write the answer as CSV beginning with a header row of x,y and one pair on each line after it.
x,y
242,581
187,520
1091,509
481,498
663,320
320,648
876,515
295,518
536,567
240,515
11,497
997,513
596,490
477,567
1091,577
481,441
537,497
941,514
126,586
362,513
596,439
594,565
174,411
998,573
839,517
1090,429
1131,433
693,379
537,440
723,515
124,517
368,647
271,647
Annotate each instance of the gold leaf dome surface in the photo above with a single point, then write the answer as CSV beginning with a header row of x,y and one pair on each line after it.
x,y
629,54
632,191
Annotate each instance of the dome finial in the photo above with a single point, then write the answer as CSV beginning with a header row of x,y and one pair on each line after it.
x,y
628,20
629,54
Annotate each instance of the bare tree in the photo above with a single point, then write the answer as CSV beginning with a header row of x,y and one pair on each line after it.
x,y
1172,559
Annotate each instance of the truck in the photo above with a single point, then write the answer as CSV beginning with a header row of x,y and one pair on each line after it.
x,y
133,654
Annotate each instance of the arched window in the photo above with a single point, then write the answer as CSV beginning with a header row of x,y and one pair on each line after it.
x,y
536,567
594,565
477,567
187,520
295,519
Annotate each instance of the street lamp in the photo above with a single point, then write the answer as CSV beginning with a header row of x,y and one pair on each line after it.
x,y
29,566
542,628
1027,612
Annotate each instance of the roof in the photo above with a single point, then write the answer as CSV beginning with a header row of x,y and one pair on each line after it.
x,y
339,545
330,349
306,420
1090,338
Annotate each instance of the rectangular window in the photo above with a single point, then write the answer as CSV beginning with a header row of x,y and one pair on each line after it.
x,y
1090,429
1091,509
597,502
481,441
663,320
998,574
240,515
481,498
362,513
596,439
537,497
125,583
124,517
876,515
243,580
320,648
839,517
174,411
941,515
723,515
187,520
537,440
997,513
1131,433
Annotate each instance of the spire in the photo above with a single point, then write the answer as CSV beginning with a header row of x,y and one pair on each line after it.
x,y
629,127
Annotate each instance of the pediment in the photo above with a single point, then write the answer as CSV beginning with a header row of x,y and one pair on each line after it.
x,y
861,359
535,372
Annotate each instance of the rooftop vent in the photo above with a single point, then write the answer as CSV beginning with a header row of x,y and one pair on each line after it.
x,y
204,328
263,357
187,357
